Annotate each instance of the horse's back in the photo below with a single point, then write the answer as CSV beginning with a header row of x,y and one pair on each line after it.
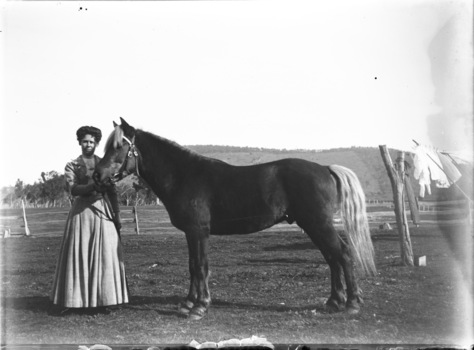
x,y
265,178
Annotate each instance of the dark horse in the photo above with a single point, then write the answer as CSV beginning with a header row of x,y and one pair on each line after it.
x,y
205,196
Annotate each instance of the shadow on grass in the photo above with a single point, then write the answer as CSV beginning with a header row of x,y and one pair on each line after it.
x,y
292,246
168,305
42,304
285,261
37,304
221,304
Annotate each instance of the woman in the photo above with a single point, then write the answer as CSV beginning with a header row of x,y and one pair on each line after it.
x,y
90,272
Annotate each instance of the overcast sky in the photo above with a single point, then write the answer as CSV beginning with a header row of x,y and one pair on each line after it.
x,y
279,74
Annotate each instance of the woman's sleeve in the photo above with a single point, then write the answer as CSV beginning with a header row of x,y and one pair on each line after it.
x,y
71,182
113,198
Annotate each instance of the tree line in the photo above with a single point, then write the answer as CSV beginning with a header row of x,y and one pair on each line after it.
x,y
50,191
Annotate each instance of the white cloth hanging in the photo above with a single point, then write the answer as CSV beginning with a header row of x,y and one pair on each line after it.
x,y
422,170
429,167
436,169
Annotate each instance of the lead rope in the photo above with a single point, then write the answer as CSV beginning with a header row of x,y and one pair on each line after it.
x,y
108,209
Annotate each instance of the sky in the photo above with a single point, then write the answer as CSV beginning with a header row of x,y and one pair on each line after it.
x,y
276,74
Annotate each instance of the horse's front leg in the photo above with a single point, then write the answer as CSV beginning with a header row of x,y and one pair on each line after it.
x,y
186,306
199,297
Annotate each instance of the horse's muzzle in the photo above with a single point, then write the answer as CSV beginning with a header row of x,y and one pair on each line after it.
x,y
116,177
103,180
96,177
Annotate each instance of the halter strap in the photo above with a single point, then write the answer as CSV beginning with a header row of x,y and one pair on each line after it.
x,y
126,139
133,151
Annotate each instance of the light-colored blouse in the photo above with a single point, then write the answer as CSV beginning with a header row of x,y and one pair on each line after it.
x,y
79,182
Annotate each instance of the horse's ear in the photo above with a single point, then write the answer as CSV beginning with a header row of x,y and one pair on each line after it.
x,y
127,129
115,124
124,123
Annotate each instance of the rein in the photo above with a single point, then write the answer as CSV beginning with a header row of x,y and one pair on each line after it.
x,y
132,152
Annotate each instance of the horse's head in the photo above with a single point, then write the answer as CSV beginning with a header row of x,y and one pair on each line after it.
x,y
121,156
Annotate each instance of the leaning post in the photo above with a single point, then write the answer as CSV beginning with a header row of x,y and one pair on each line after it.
x,y
135,214
415,214
135,220
27,230
397,179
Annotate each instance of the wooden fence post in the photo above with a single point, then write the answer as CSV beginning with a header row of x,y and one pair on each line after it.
x,y
135,219
415,215
27,230
397,179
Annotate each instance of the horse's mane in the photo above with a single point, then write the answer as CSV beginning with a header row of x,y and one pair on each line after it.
x,y
161,144
153,142
115,138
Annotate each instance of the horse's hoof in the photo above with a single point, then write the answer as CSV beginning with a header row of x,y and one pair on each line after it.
x,y
185,307
352,308
333,306
197,313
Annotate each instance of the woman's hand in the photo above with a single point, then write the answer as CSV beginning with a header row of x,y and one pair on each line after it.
x,y
100,188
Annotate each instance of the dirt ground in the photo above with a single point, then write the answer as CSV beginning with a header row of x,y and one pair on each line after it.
x,y
271,284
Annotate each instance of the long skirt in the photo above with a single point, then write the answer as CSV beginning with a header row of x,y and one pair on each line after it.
x,y
90,271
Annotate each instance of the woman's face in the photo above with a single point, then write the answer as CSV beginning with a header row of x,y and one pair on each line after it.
x,y
88,145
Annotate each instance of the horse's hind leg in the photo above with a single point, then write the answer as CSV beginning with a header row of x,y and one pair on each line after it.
x,y
354,298
337,299
325,238
338,255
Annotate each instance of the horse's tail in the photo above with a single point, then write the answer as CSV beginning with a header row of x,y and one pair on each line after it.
x,y
354,217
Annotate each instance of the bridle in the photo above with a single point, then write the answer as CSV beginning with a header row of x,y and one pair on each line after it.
x,y
132,152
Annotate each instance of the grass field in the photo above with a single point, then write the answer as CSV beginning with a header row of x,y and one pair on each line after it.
x,y
272,284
